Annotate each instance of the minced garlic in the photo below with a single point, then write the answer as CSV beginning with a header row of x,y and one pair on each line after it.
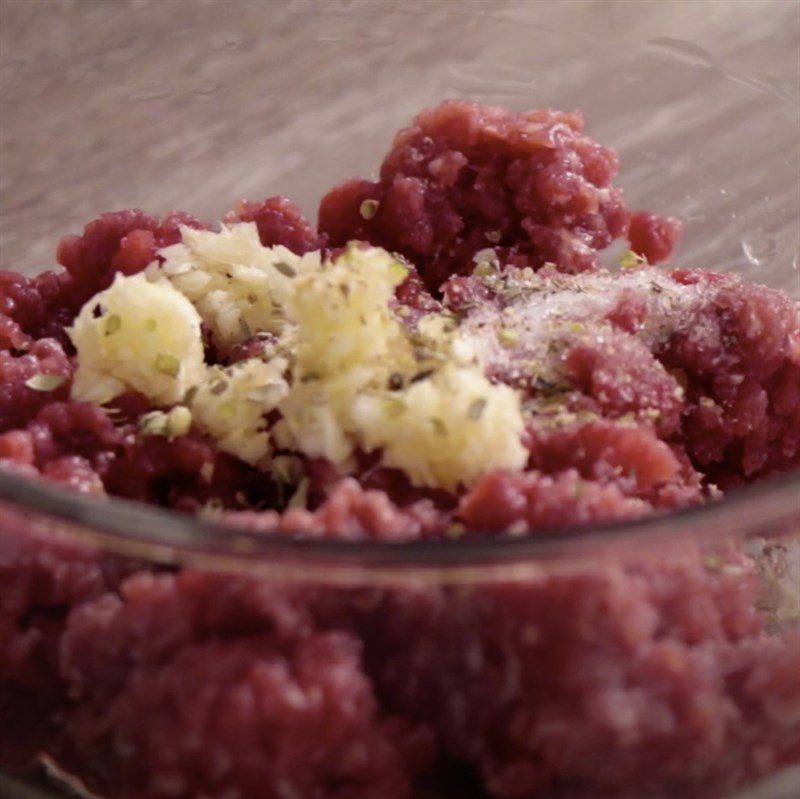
x,y
344,373
172,424
231,402
347,341
137,335
447,429
238,286
343,316
362,380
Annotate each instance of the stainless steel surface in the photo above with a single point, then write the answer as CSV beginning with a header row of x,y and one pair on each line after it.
x,y
194,104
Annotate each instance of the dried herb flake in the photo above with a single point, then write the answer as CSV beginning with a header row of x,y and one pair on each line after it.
x,y
113,324
476,409
167,364
368,209
285,269
45,382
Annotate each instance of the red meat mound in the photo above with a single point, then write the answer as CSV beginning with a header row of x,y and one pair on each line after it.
x,y
464,177
739,356
653,237
348,513
532,501
279,221
122,241
597,677
630,456
192,684
41,579
21,397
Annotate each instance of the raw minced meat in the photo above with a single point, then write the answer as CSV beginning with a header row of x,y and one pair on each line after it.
x,y
464,177
442,359
629,674
134,674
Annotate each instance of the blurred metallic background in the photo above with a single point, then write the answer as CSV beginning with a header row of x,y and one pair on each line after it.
x,y
194,103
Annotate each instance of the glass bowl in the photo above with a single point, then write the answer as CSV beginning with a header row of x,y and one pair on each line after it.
x,y
573,664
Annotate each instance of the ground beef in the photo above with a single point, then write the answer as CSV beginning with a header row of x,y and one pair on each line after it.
x,y
21,399
503,501
653,237
187,474
123,241
630,674
611,678
740,355
619,377
632,457
620,675
181,681
42,580
466,177
279,221
348,513
708,362
670,369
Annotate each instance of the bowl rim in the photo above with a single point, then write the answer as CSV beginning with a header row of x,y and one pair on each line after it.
x,y
134,529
